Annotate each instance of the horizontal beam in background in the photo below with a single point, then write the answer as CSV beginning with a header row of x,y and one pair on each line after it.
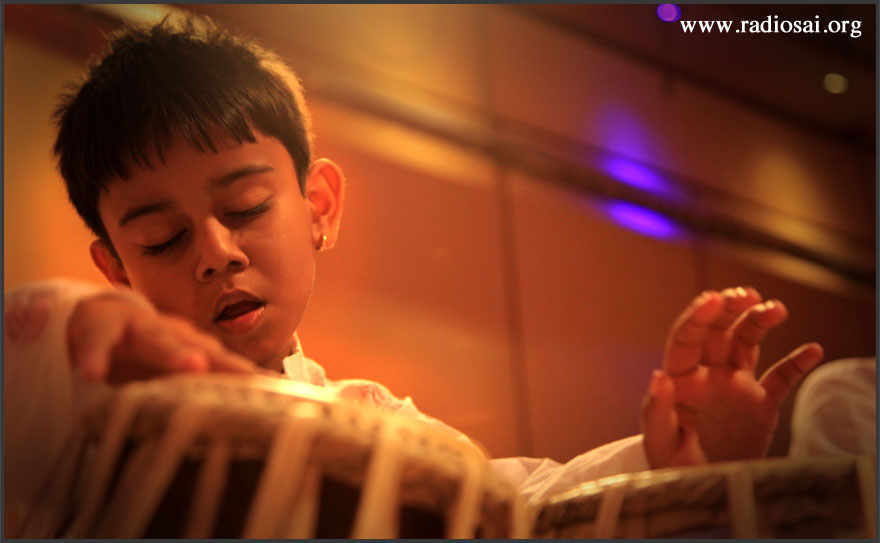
x,y
527,150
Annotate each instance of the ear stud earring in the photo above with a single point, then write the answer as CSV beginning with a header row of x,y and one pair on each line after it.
x,y
322,243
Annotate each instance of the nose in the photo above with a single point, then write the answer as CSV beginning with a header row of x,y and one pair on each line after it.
x,y
218,252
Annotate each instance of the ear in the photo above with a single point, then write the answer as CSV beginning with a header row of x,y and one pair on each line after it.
x,y
106,260
325,190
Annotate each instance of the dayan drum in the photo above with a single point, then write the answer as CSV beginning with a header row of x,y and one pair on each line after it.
x,y
258,457
772,498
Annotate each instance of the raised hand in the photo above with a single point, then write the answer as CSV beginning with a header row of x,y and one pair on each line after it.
x,y
706,404
118,338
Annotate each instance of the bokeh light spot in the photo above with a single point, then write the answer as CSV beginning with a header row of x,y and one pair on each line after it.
x,y
835,83
642,220
636,175
668,12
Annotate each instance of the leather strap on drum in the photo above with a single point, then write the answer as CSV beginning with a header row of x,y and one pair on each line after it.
x,y
609,510
376,512
141,490
866,476
287,462
108,452
741,502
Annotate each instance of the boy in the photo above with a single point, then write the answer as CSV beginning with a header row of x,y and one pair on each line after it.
x,y
187,153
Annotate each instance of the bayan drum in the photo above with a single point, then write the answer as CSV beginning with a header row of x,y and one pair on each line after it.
x,y
223,456
771,498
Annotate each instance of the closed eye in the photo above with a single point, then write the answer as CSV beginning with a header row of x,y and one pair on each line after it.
x,y
152,250
249,213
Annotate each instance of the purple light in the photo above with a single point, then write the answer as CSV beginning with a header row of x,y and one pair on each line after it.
x,y
631,143
636,175
643,221
668,12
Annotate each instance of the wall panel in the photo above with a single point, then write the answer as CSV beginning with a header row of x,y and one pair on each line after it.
x,y
43,235
597,302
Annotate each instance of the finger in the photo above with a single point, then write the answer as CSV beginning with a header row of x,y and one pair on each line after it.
x,y
154,348
736,301
90,348
223,360
750,329
782,376
218,357
659,420
684,348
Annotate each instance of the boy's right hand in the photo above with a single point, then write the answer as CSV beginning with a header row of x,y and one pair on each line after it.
x,y
117,338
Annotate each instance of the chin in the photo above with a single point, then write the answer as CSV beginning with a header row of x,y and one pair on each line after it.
x,y
268,356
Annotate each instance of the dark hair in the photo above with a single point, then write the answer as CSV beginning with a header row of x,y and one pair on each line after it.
x,y
157,82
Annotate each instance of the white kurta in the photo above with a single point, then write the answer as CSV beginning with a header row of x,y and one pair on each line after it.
x,y
835,411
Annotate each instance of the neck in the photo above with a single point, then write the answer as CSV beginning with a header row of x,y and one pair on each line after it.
x,y
276,361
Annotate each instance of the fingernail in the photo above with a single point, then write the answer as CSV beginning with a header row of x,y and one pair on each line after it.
x,y
706,296
654,387
195,361
811,345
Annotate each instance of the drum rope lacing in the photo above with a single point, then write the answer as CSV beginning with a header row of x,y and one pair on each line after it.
x,y
285,502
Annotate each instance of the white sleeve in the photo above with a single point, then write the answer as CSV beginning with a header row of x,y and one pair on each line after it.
x,y
535,478
375,394
541,478
835,410
42,395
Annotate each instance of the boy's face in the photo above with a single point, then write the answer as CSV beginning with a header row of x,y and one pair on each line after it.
x,y
225,240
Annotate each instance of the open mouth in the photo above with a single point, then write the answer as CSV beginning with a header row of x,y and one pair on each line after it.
x,y
237,309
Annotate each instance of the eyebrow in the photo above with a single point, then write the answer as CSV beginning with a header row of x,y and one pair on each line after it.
x,y
227,179
218,183
133,214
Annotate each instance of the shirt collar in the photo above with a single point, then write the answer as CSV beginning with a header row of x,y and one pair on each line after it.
x,y
295,363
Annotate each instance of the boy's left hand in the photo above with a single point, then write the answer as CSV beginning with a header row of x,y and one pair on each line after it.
x,y
706,404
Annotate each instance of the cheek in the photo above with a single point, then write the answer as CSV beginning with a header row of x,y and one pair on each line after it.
x,y
285,229
285,260
289,269
285,255
167,287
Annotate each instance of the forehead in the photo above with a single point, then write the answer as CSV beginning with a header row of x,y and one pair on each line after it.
x,y
183,164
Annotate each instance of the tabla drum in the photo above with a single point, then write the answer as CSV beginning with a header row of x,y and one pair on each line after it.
x,y
223,456
770,498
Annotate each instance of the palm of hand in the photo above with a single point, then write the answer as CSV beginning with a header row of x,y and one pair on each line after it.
x,y
706,404
718,403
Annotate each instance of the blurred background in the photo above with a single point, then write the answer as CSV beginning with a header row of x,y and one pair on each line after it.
x,y
534,192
